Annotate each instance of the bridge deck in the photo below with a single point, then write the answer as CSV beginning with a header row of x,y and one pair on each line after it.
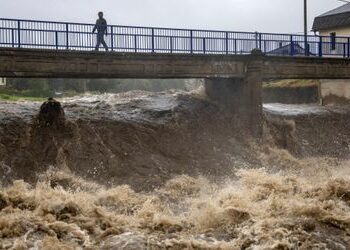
x,y
79,64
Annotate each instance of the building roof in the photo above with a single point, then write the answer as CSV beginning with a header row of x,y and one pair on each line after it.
x,y
342,9
339,17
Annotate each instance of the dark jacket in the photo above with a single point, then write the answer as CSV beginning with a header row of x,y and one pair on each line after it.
x,y
100,26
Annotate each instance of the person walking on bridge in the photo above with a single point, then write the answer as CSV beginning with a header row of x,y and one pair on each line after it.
x,y
101,27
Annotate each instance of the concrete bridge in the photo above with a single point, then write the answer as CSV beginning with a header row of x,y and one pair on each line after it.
x,y
233,76
235,81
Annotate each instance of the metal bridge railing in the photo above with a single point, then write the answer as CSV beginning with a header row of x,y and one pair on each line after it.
x,y
78,36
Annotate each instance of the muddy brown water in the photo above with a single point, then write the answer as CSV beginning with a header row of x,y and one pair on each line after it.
x,y
172,170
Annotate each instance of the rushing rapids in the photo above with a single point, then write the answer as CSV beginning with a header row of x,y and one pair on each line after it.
x,y
173,171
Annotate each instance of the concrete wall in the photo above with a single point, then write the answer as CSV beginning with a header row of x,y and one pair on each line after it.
x,y
335,92
240,96
344,31
295,95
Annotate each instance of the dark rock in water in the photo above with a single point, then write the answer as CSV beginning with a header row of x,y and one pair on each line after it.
x,y
67,211
51,114
3,202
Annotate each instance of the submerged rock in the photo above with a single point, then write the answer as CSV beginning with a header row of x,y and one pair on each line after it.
x,y
51,114
3,201
126,241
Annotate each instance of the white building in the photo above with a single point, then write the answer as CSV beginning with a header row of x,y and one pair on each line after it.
x,y
335,26
2,81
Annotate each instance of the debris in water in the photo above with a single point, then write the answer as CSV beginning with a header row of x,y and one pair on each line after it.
x,y
51,114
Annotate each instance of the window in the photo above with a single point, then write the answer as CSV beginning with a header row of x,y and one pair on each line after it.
x,y
333,40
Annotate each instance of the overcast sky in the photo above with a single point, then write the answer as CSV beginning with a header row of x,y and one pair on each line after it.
x,y
240,15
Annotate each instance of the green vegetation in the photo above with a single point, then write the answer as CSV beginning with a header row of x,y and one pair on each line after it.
x,y
291,83
17,98
40,89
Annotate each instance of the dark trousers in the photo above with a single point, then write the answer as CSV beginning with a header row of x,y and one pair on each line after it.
x,y
101,39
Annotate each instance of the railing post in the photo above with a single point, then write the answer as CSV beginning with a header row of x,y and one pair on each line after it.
x,y
153,40
13,37
260,41
320,47
67,36
291,46
112,39
226,40
348,47
306,45
135,41
344,50
204,49
191,41
56,39
19,33
235,44
171,44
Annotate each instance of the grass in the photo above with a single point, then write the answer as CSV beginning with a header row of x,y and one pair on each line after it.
x,y
291,83
10,94
9,97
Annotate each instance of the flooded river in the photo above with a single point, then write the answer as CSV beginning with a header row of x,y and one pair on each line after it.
x,y
172,170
